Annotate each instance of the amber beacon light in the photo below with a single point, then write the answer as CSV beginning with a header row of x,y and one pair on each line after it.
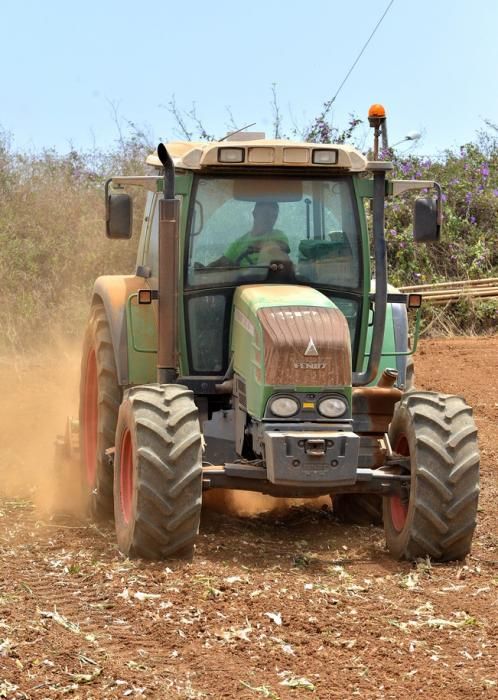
x,y
376,111
377,120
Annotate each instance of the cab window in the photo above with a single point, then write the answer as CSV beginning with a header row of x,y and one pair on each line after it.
x,y
239,226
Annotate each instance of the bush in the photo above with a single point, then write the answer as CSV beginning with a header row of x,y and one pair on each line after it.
x,y
52,216
469,247
51,238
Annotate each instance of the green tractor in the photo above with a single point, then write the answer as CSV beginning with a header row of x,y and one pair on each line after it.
x,y
252,349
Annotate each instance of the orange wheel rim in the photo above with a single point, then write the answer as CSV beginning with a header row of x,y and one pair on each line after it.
x,y
91,414
399,507
126,481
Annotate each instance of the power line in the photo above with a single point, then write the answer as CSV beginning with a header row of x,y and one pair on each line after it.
x,y
361,52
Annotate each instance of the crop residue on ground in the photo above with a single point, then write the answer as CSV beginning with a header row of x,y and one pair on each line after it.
x,y
287,604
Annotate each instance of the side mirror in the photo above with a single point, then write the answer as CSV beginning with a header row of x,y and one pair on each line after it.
x,y
427,220
119,216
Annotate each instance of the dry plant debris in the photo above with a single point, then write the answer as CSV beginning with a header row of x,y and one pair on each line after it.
x,y
277,605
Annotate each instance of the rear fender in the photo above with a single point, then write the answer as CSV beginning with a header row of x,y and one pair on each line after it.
x,y
113,292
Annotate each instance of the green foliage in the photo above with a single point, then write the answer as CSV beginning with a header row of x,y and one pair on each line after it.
x,y
468,249
51,236
469,245
469,316
52,245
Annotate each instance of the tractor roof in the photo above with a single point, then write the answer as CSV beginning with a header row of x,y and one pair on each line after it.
x,y
260,152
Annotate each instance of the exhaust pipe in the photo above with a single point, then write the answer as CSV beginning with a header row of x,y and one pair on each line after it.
x,y
167,351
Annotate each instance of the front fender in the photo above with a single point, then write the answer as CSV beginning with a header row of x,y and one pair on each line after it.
x,y
113,292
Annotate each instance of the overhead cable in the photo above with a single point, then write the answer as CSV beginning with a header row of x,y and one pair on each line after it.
x,y
361,52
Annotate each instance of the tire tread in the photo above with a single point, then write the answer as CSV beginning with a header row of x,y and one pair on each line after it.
x,y
169,469
442,510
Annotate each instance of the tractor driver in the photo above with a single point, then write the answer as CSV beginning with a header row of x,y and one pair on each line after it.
x,y
261,239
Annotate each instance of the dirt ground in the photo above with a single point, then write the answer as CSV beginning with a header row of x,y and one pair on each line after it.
x,y
281,604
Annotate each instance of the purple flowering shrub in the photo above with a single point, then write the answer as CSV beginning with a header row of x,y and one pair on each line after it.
x,y
468,248
469,178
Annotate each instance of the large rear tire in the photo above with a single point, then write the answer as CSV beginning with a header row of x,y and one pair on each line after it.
x,y
436,516
100,396
158,472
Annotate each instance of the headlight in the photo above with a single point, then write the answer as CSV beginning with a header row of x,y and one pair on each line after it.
x,y
332,407
284,406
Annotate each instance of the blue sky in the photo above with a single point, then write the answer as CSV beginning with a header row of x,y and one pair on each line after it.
x,y
70,70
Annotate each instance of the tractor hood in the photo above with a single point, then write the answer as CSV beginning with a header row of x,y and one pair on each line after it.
x,y
288,338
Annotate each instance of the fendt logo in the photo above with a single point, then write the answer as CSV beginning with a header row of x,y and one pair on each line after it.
x,y
311,349
309,365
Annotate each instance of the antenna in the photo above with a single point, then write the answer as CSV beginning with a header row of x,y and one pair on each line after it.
x,y
237,131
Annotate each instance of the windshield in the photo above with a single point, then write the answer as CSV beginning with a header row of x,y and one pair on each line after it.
x,y
240,227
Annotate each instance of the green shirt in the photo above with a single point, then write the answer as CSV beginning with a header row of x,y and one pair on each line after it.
x,y
235,251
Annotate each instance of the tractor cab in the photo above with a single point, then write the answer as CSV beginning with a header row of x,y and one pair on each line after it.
x,y
266,230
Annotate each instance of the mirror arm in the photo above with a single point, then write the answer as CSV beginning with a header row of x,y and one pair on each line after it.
x,y
439,203
106,197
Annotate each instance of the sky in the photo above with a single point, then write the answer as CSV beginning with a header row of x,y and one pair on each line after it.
x,y
73,74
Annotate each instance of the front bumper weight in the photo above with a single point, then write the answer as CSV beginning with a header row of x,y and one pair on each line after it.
x,y
317,458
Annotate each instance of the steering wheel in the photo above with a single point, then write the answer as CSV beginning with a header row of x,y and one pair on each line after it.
x,y
259,247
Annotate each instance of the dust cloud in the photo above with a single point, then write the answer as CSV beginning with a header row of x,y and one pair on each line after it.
x,y
38,393
247,503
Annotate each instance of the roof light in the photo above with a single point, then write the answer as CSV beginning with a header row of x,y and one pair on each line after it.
x,y
231,155
325,157
261,154
296,156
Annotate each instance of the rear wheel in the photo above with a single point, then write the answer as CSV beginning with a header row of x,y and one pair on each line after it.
x,y
358,508
158,472
436,515
100,396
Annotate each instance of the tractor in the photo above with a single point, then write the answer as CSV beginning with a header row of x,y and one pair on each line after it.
x,y
258,346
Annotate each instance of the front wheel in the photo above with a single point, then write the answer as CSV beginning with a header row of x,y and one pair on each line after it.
x,y
157,472
436,515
